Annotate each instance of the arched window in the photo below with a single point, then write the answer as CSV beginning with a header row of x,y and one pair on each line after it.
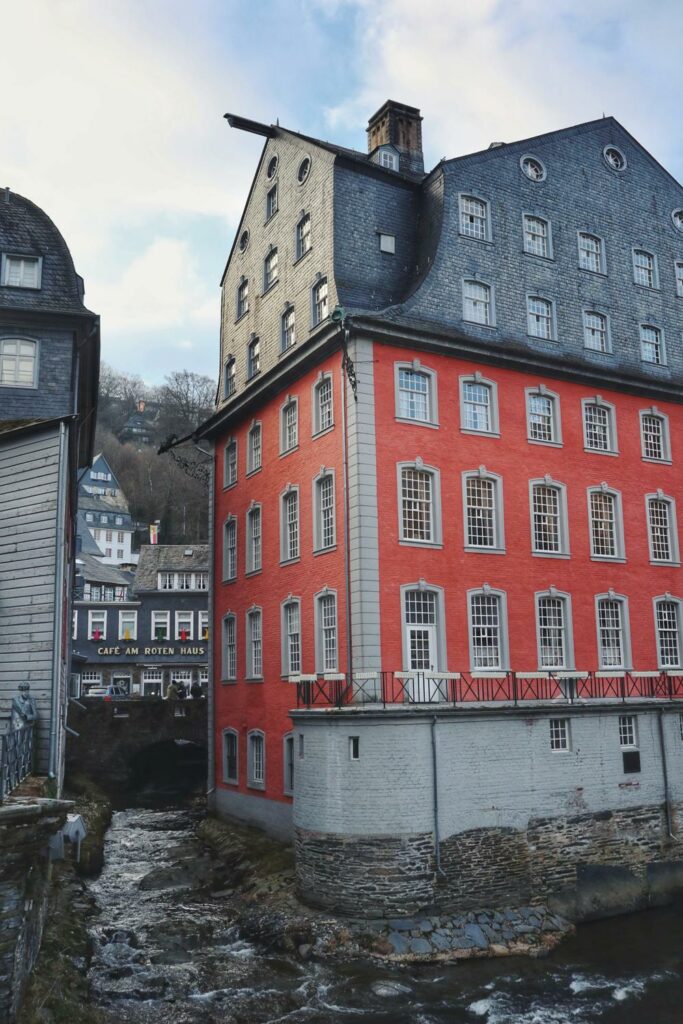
x,y
668,630
474,218
419,503
595,331
652,348
230,463
230,549
270,269
543,416
605,523
553,626
253,358
256,759
291,637
654,435
537,236
661,524
319,302
483,510
478,405
549,532
289,425
614,647
326,639
254,644
18,363
591,253
415,393
288,329
599,425
540,319
323,412
487,615
424,640
242,304
645,268
477,303
230,756
229,384
324,532
229,648
254,448
254,538
303,235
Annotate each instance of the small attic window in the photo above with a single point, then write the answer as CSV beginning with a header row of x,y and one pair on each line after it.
x,y
677,218
532,167
387,158
244,241
387,243
304,170
21,271
272,166
614,158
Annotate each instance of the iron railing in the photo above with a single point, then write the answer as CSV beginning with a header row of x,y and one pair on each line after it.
x,y
461,688
16,758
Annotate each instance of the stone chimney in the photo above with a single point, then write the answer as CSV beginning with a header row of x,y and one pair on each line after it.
x,y
398,125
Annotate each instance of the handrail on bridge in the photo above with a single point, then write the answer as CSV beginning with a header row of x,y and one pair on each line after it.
x,y
16,758
483,687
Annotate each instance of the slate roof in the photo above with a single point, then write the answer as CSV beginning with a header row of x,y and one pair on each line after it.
x,y
155,558
26,230
103,503
95,571
88,544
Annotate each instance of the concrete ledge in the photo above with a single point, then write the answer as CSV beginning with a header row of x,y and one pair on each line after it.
x,y
272,816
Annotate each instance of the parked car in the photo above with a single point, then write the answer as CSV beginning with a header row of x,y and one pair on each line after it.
x,y
111,692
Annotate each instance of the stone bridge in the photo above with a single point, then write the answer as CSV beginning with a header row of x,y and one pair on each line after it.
x,y
124,744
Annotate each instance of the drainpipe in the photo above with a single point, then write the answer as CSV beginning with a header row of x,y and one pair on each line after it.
x,y
59,605
665,773
210,740
435,798
347,527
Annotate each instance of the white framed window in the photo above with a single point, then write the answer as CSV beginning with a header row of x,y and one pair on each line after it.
x,y
477,303
537,236
256,758
89,679
614,646
591,253
291,637
668,631
599,426
184,625
319,301
253,358
323,411
21,271
596,334
74,624
254,644
605,520
543,420
559,734
419,503
18,363
230,384
415,388
254,448
549,527
324,529
487,619
474,218
628,732
230,463
229,647
97,624
652,349
478,405
654,435
270,269
254,539
532,167
540,318
303,235
288,329
645,268
230,756
242,298
327,656
661,528
128,625
161,625
271,202
288,764
614,158
303,170
202,625
388,158
483,511
387,243
678,274
152,682
289,425
424,641
230,549
554,630
290,524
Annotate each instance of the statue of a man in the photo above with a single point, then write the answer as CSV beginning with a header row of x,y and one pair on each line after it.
x,y
24,710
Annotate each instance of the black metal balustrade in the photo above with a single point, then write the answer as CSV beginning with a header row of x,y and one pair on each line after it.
x,y
16,758
463,688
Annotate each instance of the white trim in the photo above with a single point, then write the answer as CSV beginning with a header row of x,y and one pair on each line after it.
x,y
661,342
286,669
553,317
531,156
678,604
494,419
490,303
134,631
503,639
530,215
253,783
290,400
19,340
285,556
250,614
488,232
229,780
318,627
432,394
675,558
556,413
38,260
656,413
434,474
602,261
607,671
619,538
317,482
563,517
226,675
316,424
440,631
101,614
482,473
599,401
568,628
655,268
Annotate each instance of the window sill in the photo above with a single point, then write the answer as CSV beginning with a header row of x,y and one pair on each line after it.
x,y
657,366
592,273
315,326
290,561
418,423
538,337
228,682
256,785
545,444
598,351
229,487
647,287
436,544
537,256
268,290
272,217
232,579
251,472
286,351
321,433
302,257
288,451
477,323
24,387
253,377
241,317
230,782
480,433
619,559
324,551
656,462
253,572
484,551
253,679
551,554
479,241
598,451
669,564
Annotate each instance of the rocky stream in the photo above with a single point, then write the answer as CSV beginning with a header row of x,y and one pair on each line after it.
x,y
179,937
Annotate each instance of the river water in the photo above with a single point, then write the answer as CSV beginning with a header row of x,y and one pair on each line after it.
x,y
172,955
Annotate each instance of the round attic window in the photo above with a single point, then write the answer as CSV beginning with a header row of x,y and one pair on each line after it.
x,y
532,167
304,170
272,166
614,158
677,218
244,241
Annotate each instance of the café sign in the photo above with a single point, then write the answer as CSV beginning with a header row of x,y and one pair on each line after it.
x,y
156,652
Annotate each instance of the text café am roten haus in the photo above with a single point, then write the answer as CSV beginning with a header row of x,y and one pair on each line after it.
x,y
446,438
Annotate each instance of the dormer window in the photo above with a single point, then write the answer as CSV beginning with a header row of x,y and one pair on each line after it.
x,y
21,271
387,158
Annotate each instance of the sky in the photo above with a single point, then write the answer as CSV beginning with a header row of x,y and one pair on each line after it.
x,y
112,119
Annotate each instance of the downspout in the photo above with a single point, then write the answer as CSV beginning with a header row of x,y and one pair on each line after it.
x,y
347,526
665,773
435,799
210,740
59,625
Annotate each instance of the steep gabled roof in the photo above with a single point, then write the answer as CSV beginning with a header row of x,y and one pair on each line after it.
x,y
155,558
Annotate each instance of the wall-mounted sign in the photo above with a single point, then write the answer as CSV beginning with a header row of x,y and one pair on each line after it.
x,y
117,652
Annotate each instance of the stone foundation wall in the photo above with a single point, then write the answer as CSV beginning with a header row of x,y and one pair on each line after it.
x,y
487,867
365,875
